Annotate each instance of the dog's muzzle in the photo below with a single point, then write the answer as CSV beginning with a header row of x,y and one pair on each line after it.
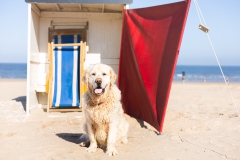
x,y
99,90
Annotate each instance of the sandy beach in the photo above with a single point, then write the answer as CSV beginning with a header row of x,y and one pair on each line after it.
x,y
201,123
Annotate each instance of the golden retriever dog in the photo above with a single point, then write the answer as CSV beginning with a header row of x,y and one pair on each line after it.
x,y
105,124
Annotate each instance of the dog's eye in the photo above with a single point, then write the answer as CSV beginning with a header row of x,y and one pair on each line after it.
x,y
93,74
104,74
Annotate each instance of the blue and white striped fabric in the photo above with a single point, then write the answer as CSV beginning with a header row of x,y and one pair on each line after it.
x,y
66,72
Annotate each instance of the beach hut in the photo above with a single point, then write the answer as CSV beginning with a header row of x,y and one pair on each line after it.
x,y
141,45
97,22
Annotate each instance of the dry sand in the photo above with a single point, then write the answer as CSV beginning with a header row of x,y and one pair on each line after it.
x,y
201,123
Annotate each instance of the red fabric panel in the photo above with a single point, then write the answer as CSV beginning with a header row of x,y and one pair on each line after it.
x,y
151,39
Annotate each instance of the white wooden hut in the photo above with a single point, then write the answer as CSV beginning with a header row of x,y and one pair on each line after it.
x,y
99,22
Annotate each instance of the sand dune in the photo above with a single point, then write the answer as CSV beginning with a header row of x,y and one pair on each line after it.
x,y
201,123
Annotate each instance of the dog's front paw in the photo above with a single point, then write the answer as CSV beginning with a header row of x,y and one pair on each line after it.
x,y
92,148
111,151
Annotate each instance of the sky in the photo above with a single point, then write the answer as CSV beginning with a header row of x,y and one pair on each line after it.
x,y
221,16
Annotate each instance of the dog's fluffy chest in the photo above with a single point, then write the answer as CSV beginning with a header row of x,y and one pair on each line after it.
x,y
101,114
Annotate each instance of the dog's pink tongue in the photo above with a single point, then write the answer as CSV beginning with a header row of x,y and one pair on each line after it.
x,y
97,91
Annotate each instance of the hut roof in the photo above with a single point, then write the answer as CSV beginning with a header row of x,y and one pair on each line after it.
x,y
82,1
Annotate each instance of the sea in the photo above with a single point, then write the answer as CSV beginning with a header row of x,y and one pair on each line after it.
x,y
207,73
13,70
192,73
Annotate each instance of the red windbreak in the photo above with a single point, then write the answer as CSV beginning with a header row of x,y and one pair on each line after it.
x,y
151,39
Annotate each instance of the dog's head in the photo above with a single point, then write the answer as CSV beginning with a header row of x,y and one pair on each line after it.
x,y
99,78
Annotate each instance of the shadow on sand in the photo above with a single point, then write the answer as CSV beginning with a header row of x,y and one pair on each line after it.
x,y
23,100
141,123
73,137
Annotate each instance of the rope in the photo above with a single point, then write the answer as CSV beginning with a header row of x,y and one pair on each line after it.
x,y
197,7
198,10
223,75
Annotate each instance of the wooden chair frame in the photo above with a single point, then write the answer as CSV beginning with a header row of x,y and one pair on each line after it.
x,y
82,44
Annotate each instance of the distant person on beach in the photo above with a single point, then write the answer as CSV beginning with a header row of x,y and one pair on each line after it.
x,y
183,76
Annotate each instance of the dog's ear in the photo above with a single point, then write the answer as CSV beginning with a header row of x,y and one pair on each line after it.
x,y
86,76
113,76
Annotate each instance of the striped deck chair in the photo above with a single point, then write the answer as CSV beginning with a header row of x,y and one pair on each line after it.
x,y
65,84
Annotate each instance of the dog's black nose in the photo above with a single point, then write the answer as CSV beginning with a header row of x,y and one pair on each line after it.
x,y
98,80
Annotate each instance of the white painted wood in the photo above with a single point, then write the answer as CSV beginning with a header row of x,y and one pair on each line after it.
x,y
82,15
33,41
36,9
39,58
33,102
104,36
80,7
57,6
41,75
87,49
114,7
91,59
67,7
28,58
34,32
40,88
112,61
68,24
102,8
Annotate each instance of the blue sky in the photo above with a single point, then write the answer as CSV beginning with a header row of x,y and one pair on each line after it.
x,y
221,16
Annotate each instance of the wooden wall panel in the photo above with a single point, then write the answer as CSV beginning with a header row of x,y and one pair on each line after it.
x,y
104,34
33,42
